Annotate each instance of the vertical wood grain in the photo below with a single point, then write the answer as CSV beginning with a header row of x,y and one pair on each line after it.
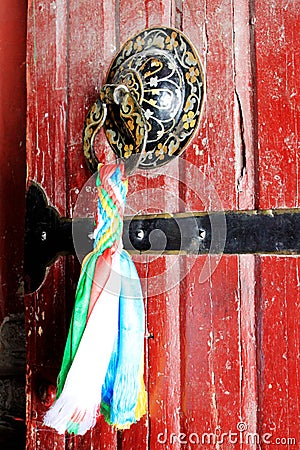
x,y
12,153
210,27
277,49
211,379
46,143
210,354
153,192
225,152
277,61
279,349
91,46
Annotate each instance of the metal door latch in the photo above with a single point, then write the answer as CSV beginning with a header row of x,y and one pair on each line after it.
x,y
48,236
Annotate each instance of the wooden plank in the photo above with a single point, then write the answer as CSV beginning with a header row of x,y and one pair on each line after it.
x,y
245,123
224,154
210,354
210,314
277,56
91,47
279,350
12,153
12,210
277,49
150,192
92,44
249,294
164,349
44,322
160,287
46,141
212,151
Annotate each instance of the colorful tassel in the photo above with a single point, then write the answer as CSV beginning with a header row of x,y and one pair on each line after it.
x,y
103,362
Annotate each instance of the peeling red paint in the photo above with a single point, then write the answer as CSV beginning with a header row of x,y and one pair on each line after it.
x,y
219,352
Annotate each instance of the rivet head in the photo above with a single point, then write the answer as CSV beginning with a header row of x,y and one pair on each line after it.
x,y
202,234
140,234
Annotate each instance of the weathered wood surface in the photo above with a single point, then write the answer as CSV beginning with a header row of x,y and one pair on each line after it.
x,y
222,347
12,152
277,64
12,211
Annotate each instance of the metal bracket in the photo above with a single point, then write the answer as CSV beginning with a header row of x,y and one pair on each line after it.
x,y
47,235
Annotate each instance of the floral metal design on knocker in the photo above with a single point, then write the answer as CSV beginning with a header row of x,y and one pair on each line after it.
x,y
133,131
152,101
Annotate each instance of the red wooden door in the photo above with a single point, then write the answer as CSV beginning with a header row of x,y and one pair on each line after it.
x,y
223,333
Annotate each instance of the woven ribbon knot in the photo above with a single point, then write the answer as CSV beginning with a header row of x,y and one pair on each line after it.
x,y
102,367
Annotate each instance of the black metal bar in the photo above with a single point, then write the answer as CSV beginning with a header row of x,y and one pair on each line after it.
x,y
263,232
275,232
48,235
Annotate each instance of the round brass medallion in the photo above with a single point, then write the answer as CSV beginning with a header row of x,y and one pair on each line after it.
x,y
162,71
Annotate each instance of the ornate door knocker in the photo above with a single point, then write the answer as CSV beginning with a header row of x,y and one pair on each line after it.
x,y
152,101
